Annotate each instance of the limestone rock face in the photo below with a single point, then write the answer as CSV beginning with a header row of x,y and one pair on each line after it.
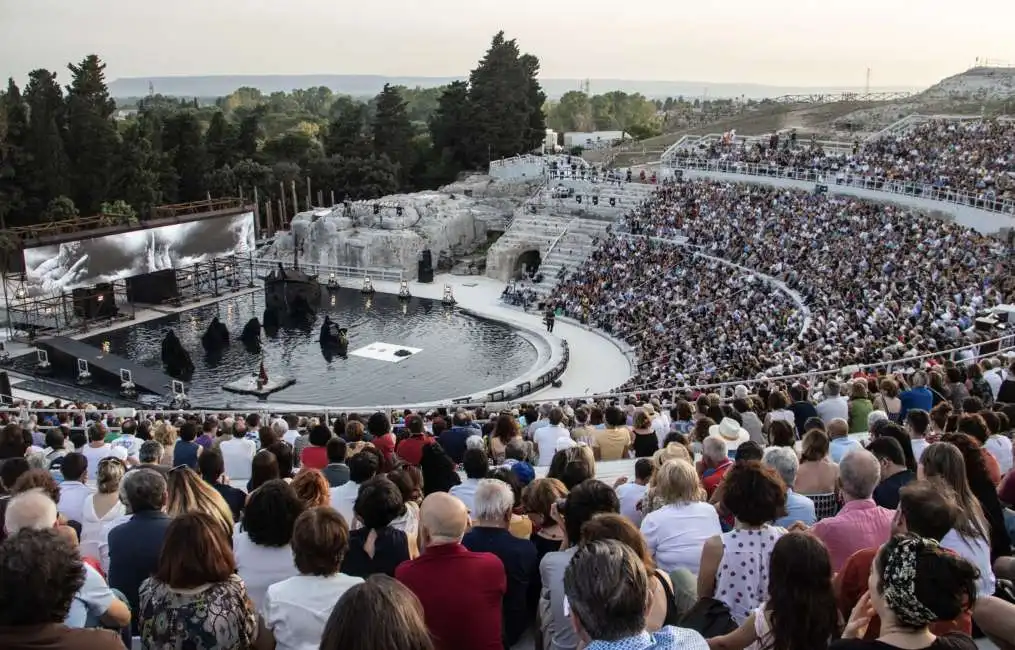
x,y
441,221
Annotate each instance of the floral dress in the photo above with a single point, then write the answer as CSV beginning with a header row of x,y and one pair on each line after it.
x,y
218,616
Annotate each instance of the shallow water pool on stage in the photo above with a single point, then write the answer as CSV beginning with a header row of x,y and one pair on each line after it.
x,y
459,353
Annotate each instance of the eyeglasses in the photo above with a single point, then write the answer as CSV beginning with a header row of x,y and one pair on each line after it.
x,y
109,460
179,468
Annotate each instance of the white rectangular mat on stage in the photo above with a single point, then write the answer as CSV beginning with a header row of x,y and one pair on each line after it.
x,y
385,352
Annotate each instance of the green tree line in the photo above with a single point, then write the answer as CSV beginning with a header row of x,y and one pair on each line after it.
x,y
63,151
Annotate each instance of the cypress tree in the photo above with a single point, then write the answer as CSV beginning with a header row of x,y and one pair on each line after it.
x,y
48,167
392,131
92,141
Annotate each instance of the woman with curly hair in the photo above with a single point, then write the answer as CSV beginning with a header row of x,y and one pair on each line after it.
x,y
263,554
164,433
312,488
735,565
799,609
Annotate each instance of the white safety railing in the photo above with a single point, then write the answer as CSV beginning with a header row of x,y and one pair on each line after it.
x,y
324,271
985,202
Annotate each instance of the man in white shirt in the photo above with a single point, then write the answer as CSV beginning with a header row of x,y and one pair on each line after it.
x,y
362,467
128,441
476,466
631,494
287,429
546,437
994,375
834,406
237,455
73,490
97,449
660,423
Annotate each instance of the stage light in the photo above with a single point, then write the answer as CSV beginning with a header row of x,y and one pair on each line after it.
x,y
99,298
405,308
105,347
377,209
20,293
332,301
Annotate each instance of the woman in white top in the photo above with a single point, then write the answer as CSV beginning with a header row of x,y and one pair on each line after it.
x,y
735,565
676,532
295,610
778,409
262,550
102,508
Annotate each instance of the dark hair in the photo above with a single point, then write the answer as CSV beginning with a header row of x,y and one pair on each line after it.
x,y
55,439
196,551
319,542
187,431
409,480
270,513
813,423
38,479
749,450
944,582
12,442
586,500
211,465
753,493
973,424
40,574
379,503
919,420
614,417
781,434
777,401
283,456
439,471
886,448
378,613
801,606
263,468
505,428
414,424
644,468
475,463
363,466
929,507
336,450
892,430
378,424
320,435
73,466
571,466
609,525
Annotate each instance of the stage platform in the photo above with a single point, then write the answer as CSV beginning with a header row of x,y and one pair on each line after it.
x,y
105,368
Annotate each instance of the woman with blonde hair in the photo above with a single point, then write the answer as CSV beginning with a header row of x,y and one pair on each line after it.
x,y
102,508
676,532
164,433
188,492
673,451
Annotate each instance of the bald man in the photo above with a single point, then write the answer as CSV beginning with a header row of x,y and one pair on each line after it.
x,y
95,601
461,591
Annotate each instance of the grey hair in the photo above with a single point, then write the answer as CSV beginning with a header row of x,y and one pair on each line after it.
x,y
517,449
228,425
32,509
151,451
714,448
143,490
279,427
545,408
493,500
784,461
607,589
475,442
874,417
37,460
859,473
919,379
832,388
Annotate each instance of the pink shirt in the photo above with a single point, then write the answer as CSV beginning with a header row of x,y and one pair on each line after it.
x,y
860,524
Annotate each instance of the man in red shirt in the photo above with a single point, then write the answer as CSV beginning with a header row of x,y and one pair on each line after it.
x,y
461,591
715,462
411,449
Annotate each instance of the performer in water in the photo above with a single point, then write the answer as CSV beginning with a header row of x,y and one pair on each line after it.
x,y
175,357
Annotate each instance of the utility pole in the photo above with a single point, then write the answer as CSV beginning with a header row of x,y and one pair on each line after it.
x,y
867,86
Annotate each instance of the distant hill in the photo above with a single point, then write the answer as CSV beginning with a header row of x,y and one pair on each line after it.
x,y
369,85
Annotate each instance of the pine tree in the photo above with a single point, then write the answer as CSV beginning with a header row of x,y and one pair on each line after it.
x,y
220,141
535,98
249,136
392,131
184,144
497,94
92,140
13,165
140,171
47,171
449,131
346,135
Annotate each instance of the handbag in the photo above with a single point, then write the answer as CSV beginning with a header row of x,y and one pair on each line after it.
x,y
709,617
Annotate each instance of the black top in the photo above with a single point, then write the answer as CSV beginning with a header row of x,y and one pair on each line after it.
x,y
134,548
645,445
235,497
520,565
802,411
391,548
952,641
672,613
886,494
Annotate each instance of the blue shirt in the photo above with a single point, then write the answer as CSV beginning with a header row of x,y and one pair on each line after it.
x,y
838,448
798,508
916,398
90,602
667,638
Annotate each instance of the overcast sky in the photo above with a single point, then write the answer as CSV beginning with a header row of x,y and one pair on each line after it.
x,y
785,42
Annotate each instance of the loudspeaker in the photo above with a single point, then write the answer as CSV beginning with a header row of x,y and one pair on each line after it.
x,y
821,188
5,389
613,201
425,273
426,256
153,288
95,302
82,302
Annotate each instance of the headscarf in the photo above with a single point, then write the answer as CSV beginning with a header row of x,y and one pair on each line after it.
x,y
898,579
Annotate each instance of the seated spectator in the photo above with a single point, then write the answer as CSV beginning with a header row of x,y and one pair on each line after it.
x,y
476,467
782,434
798,609
189,493
734,573
375,546
134,545
493,508
505,430
917,426
362,467
470,614
998,443
315,455
983,488
585,501
715,462
839,442
296,610
918,396
860,407
312,488
194,598
572,465
798,507
802,408
607,589
212,468
538,499
336,471
817,473
899,434
453,440
861,523
262,545
40,573
378,613
149,457
834,406
894,475
102,508
238,456
379,427
410,449
914,583
73,489
186,450
676,532
631,493
546,437
263,468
